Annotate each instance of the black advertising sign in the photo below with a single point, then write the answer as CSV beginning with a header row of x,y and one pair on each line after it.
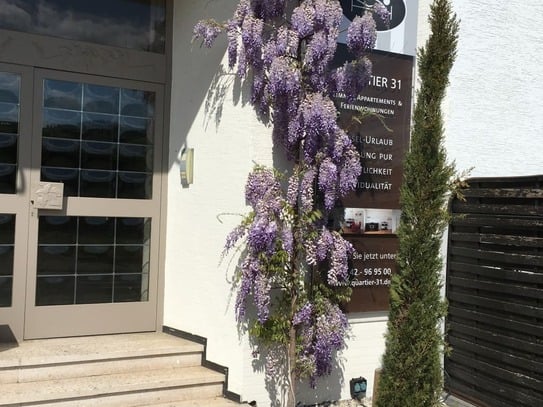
x,y
371,270
378,122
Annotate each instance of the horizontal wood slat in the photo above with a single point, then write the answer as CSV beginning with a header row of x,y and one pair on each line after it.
x,y
495,293
500,273
505,288
498,320
507,240
495,256
503,193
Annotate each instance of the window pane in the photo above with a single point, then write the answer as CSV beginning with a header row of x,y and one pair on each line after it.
x,y
61,123
6,284
92,259
95,260
54,260
81,145
94,289
58,290
62,95
136,24
102,99
100,127
60,153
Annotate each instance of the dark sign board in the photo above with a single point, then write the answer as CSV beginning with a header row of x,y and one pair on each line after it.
x,y
382,135
371,270
378,122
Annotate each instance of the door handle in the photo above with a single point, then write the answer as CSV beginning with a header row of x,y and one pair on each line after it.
x,y
47,195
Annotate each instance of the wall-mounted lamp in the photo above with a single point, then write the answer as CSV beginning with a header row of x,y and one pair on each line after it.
x,y
358,388
186,166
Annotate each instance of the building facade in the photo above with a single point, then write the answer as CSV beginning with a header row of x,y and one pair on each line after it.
x,y
100,101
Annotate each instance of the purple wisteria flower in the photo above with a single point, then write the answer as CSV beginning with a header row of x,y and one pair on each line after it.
x,y
261,294
353,77
251,37
283,53
307,190
208,31
361,34
262,183
382,13
262,235
330,330
328,177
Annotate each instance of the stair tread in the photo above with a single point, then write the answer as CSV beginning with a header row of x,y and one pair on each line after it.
x,y
70,350
106,384
216,402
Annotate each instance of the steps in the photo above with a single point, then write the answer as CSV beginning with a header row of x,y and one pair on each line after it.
x,y
128,370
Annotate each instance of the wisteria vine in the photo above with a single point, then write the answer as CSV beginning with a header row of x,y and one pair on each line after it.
x,y
284,49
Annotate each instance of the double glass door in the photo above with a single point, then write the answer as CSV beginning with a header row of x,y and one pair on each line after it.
x,y
79,203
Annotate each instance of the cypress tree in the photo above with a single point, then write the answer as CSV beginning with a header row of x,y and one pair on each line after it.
x,y
411,371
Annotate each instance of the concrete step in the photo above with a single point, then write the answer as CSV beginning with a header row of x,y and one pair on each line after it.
x,y
119,390
216,402
128,370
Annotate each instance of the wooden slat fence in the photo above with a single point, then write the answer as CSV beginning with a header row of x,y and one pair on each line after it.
x,y
495,292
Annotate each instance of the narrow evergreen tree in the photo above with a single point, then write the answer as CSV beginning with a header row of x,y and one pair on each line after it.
x,y
411,372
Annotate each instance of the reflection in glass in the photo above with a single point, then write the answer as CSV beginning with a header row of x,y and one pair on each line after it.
x,y
57,230
100,254
7,228
100,99
135,158
96,230
53,260
117,145
69,177
98,156
131,287
61,123
8,148
94,289
97,184
60,153
6,284
8,178
133,230
9,118
100,127
137,103
10,85
135,24
128,259
62,94
55,290
95,260
135,130
134,185
6,260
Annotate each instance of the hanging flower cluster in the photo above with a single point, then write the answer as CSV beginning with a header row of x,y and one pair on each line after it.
x,y
288,48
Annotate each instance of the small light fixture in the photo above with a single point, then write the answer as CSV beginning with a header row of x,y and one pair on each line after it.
x,y
186,165
358,388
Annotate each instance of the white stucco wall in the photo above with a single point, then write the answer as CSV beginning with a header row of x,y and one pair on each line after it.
x,y
227,139
493,112
493,122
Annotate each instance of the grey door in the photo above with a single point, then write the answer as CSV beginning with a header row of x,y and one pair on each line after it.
x,y
86,205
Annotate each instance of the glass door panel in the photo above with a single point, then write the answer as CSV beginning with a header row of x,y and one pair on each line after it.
x,y
98,140
15,146
93,265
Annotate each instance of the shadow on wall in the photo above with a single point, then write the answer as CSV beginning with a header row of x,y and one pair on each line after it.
x,y
196,71
199,77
